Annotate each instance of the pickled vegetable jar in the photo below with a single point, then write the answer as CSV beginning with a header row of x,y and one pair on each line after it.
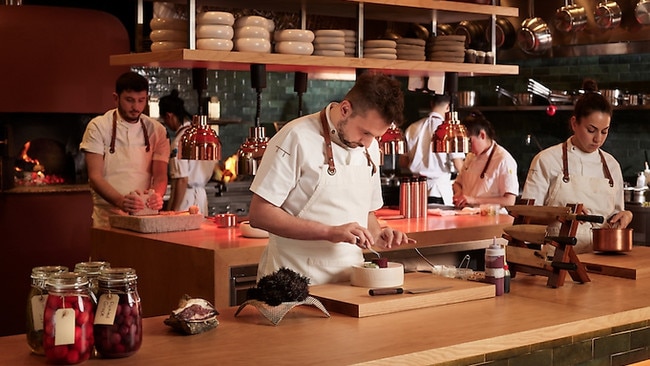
x,y
118,320
68,320
36,305
91,270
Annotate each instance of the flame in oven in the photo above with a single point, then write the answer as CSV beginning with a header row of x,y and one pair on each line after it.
x,y
30,172
226,172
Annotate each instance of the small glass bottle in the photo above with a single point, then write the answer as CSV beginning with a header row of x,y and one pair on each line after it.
x,y
91,270
68,321
36,301
118,321
506,279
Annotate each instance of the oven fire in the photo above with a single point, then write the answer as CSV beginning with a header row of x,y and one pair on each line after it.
x,y
30,172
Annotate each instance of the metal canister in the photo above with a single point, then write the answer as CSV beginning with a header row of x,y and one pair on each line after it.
x,y
405,197
424,195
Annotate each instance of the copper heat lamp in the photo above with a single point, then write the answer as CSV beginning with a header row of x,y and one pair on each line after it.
x,y
200,142
451,136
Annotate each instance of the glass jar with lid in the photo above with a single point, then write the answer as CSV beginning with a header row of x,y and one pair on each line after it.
x,y
36,305
118,322
68,319
91,270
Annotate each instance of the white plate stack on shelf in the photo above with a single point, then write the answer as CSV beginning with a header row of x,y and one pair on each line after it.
x,y
294,41
253,34
168,34
385,49
350,43
329,42
411,49
446,48
214,31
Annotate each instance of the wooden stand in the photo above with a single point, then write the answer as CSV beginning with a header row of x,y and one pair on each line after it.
x,y
529,230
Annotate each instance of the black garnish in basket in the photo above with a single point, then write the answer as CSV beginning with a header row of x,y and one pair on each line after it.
x,y
283,285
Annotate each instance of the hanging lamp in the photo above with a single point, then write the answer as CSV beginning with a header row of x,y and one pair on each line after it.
x,y
200,142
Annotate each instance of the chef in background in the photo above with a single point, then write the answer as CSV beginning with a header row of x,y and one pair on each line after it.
x,y
126,154
318,185
489,174
188,177
579,171
437,167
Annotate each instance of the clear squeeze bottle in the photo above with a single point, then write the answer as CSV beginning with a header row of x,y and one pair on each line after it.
x,y
494,262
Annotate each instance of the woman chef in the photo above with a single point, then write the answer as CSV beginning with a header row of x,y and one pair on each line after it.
x,y
318,185
578,171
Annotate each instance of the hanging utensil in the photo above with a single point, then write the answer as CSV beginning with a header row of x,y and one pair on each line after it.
x,y
608,15
642,12
570,18
534,36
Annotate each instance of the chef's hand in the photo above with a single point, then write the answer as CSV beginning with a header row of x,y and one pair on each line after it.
x,y
154,200
352,233
621,219
390,237
132,202
462,201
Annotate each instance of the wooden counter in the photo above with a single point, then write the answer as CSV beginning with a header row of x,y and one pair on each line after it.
x,y
564,326
198,262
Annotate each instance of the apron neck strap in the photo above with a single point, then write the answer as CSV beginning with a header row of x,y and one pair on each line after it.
x,y
328,143
489,159
565,165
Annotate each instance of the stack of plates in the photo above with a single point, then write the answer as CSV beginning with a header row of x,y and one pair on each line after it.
x,y
253,34
168,34
411,49
385,49
350,43
214,31
294,41
446,48
329,42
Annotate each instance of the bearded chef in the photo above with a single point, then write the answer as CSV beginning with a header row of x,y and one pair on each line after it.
x,y
318,185
578,171
126,154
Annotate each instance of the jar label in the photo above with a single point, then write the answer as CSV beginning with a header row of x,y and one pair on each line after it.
x,y
38,310
106,309
64,326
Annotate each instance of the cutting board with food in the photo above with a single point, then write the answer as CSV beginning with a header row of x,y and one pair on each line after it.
x,y
165,221
632,265
419,290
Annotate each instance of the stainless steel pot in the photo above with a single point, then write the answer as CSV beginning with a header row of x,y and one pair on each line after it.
x,y
612,239
614,96
608,15
467,98
534,36
473,32
642,12
505,34
570,18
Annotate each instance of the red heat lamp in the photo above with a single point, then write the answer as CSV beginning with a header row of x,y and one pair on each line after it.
x,y
392,142
200,142
451,136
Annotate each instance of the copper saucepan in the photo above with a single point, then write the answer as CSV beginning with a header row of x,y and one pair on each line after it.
x,y
610,239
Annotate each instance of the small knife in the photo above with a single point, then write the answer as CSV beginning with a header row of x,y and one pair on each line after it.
x,y
427,289
399,290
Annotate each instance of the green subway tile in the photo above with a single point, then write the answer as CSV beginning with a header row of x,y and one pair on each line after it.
x,y
573,354
611,344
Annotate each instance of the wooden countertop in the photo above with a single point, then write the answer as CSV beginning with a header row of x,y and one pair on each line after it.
x,y
532,314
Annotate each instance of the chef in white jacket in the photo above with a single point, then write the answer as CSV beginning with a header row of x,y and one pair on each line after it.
x,y
579,171
318,185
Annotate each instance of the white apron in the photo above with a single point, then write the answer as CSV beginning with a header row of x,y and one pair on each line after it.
x,y
596,195
444,186
195,196
126,168
338,199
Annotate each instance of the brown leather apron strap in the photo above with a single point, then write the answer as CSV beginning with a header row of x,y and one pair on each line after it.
x,y
565,163
146,135
489,159
114,133
328,143
606,171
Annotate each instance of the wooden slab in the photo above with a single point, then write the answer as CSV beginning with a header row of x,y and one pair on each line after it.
x,y
355,301
633,265
527,232
157,223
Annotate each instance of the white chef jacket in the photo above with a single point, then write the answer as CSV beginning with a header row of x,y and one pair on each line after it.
x,y
500,177
422,160
197,172
129,167
293,169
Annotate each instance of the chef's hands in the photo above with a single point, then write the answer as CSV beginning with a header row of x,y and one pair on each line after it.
x,y
621,219
154,200
360,236
390,237
136,201
461,201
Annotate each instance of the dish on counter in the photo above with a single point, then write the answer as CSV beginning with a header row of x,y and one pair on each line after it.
x,y
391,276
248,231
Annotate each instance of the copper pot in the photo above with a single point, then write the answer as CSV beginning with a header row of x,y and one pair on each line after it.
x,y
612,239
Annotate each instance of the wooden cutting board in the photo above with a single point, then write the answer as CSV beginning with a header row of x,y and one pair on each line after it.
x,y
633,264
355,301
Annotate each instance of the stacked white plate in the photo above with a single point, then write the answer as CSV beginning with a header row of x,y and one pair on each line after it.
x,y
294,41
446,48
168,34
385,49
350,43
214,31
253,34
411,49
329,42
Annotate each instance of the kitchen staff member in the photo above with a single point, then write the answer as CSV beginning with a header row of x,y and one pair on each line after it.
x,y
489,174
188,177
126,154
437,167
318,185
578,171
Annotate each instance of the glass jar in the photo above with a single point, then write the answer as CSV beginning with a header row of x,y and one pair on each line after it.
x,y
68,321
36,305
118,323
91,270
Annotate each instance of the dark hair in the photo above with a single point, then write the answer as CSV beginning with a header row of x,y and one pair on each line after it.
x,y
131,81
589,85
475,122
436,100
380,93
589,103
174,104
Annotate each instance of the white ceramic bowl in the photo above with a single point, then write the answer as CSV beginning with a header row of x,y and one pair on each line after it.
x,y
329,53
248,231
161,35
252,45
215,44
168,23
252,20
167,45
251,31
293,35
329,33
329,46
391,276
329,40
294,48
215,17
214,31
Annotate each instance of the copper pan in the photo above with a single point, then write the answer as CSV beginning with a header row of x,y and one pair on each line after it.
x,y
609,239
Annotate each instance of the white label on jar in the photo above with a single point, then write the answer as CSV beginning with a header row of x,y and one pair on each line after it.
x,y
64,327
106,309
38,310
494,272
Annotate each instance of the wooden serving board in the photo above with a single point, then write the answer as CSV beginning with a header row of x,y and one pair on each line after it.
x,y
632,265
157,223
355,301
